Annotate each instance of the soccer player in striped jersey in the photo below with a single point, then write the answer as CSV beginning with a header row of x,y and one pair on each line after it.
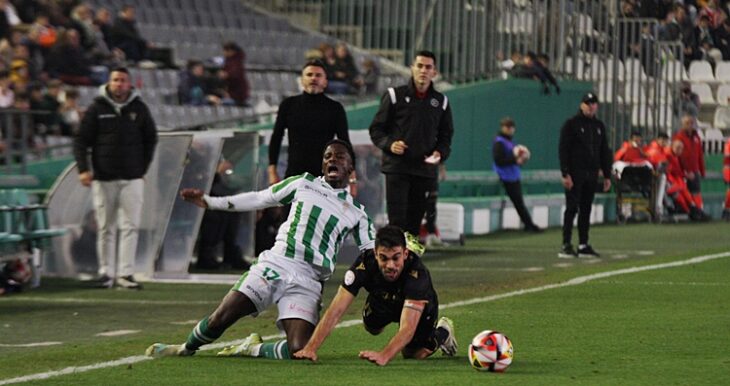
x,y
290,274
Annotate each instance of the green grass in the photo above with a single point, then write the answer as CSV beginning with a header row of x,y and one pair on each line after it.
x,y
664,327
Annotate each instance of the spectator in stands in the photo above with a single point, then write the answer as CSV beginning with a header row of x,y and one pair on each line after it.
x,y
82,20
125,35
531,68
704,45
7,96
721,37
543,63
43,34
335,85
584,153
47,104
92,38
506,65
118,165
413,127
677,186
692,158
714,13
235,73
71,113
726,178
656,9
345,68
103,21
507,164
68,62
370,76
20,68
689,101
192,87
677,25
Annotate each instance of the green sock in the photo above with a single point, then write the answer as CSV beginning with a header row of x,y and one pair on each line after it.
x,y
274,350
201,335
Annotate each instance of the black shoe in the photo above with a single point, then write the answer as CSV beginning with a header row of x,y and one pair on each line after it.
x,y
696,214
567,252
128,282
587,252
103,281
532,228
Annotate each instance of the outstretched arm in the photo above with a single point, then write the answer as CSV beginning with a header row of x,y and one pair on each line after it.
x,y
332,316
412,310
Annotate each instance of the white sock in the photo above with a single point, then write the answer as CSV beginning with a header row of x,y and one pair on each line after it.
x,y
581,246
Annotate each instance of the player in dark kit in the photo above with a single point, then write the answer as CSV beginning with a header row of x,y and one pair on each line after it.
x,y
400,291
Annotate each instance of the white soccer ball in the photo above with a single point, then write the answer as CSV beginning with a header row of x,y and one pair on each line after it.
x,y
490,351
521,151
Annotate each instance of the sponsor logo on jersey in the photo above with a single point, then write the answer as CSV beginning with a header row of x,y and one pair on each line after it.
x,y
133,116
106,116
361,267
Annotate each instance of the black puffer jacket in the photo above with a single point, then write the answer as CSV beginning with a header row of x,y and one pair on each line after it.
x,y
120,138
424,125
583,147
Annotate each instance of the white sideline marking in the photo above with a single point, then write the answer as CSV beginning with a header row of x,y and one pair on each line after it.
x,y
117,333
38,344
185,322
572,282
110,301
667,283
620,256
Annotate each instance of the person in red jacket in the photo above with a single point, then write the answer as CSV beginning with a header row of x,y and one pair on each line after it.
x,y
726,177
693,157
678,188
235,73
655,151
631,150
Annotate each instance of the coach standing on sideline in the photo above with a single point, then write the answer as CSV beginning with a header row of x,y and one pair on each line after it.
x,y
583,152
119,134
413,128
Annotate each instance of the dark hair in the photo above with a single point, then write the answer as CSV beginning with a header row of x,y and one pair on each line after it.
x,y
193,63
347,146
232,46
636,134
120,69
427,54
390,236
663,136
315,63
507,121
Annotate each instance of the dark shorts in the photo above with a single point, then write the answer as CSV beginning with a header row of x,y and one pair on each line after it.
x,y
378,313
694,185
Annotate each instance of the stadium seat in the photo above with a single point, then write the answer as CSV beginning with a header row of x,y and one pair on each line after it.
x,y
673,71
584,24
634,69
722,117
722,72
610,63
704,91
701,71
723,93
579,71
641,116
635,92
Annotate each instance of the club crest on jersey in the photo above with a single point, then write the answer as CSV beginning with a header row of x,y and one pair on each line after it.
x,y
133,116
434,102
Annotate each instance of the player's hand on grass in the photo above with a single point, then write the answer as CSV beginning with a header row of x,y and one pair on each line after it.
x,y
375,357
306,354
194,196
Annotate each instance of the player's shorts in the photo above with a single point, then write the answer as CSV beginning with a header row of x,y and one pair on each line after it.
x,y
694,185
289,284
377,314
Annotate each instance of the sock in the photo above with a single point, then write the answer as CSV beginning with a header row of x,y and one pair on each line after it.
x,y
274,350
698,201
201,335
727,199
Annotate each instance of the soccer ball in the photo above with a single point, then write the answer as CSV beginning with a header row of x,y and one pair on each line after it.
x,y
490,351
521,151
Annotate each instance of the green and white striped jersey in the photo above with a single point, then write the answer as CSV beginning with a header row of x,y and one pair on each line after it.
x,y
318,222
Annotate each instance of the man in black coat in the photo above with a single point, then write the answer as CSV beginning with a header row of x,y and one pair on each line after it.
x,y
413,128
119,135
583,152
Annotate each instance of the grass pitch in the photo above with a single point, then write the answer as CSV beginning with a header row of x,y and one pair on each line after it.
x,y
665,326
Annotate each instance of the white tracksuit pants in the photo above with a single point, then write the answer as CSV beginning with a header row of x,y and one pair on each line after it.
x,y
117,204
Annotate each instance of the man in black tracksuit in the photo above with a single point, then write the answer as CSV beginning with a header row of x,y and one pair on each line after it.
x,y
413,128
119,135
583,152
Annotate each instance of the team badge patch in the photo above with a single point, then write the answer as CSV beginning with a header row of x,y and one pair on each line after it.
x,y
434,102
349,277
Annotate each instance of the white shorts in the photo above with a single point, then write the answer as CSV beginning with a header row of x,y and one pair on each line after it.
x,y
286,282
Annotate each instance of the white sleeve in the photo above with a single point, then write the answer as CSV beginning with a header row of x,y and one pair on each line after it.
x,y
278,194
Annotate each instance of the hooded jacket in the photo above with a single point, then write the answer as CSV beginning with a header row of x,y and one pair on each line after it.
x,y
119,137
424,125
